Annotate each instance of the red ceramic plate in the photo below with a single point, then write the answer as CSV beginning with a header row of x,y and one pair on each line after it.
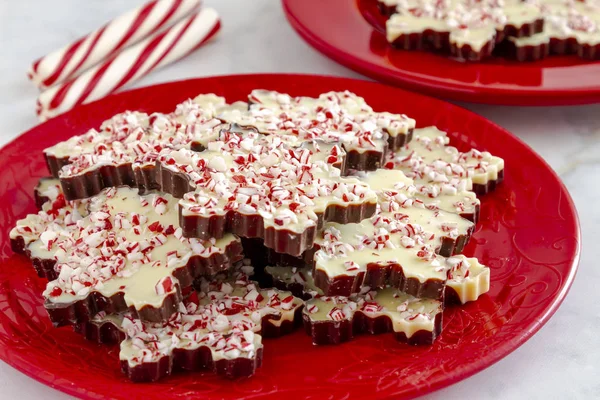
x,y
529,236
350,32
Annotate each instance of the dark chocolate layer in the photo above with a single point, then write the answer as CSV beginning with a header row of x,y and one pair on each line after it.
x,y
335,332
188,360
490,186
439,41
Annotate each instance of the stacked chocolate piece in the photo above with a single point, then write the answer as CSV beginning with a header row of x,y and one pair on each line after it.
x,y
353,220
525,30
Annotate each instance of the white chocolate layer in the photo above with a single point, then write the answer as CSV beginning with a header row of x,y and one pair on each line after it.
x,y
227,320
253,174
127,243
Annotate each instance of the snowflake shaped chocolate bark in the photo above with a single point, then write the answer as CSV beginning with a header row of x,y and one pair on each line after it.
x,y
403,245
55,213
466,29
125,148
429,160
398,247
336,319
259,186
342,118
222,331
569,27
468,279
126,253
448,195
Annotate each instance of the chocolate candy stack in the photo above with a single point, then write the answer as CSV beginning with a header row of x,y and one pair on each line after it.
x,y
153,226
522,30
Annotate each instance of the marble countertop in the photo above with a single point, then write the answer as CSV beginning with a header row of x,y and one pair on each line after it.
x,y
561,361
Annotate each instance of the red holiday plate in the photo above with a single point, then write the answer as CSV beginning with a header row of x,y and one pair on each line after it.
x,y
352,32
528,235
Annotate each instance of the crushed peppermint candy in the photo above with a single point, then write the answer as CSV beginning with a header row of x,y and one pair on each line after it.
x,y
227,323
286,184
109,244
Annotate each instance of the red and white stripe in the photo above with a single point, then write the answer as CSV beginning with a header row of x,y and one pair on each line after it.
x,y
123,31
131,64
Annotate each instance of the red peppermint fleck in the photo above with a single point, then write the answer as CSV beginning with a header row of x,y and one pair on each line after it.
x,y
156,227
164,286
294,206
239,179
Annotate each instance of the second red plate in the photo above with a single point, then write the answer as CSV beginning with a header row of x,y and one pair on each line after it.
x,y
341,30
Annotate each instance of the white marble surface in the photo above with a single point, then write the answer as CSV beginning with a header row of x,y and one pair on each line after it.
x,y
562,361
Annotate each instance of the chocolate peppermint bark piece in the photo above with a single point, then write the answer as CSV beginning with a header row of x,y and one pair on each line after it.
x,y
337,319
126,254
342,111
55,213
429,159
467,280
222,332
336,117
263,186
467,30
533,48
124,150
570,27
333,320
396,247
448,196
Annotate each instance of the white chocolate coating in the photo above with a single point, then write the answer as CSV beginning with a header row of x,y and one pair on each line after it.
x,y
127,243
335,117
435,195
137,138
407,313
429,158
253,174
472,23
565,19
227,320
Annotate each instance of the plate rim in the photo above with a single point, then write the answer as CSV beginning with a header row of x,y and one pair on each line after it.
x,y
12,358
474,93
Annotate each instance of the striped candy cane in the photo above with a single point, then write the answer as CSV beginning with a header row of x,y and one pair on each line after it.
x,y
70,61
131,64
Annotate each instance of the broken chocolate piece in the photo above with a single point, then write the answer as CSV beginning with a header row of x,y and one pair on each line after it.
x,y
47,189
221,332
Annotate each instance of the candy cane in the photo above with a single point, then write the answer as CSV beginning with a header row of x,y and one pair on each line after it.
x,y
154,52
129,28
